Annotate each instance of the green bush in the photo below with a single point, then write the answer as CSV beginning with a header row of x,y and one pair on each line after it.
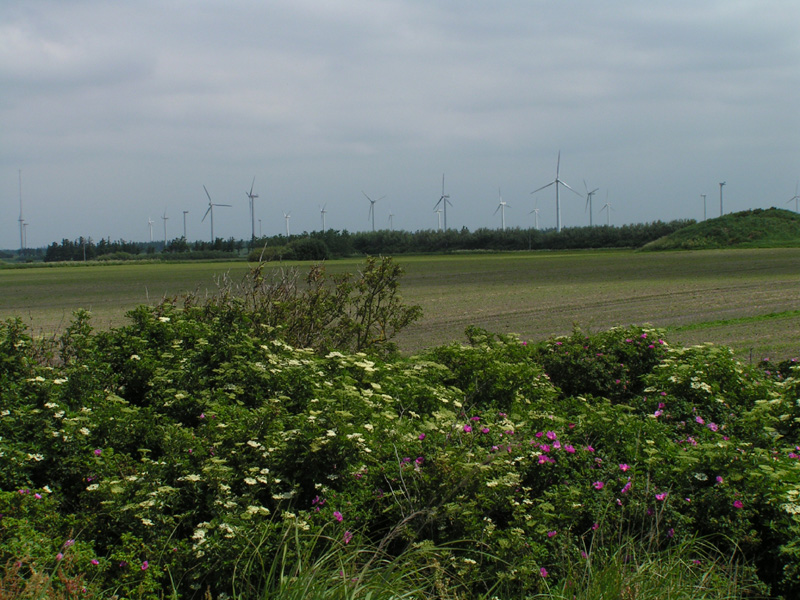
x,y
189,450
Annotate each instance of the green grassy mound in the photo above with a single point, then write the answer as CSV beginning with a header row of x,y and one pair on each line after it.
x,y
757,228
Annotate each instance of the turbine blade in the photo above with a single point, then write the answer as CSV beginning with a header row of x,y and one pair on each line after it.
x,y
207,211
566,186
541,188
207,194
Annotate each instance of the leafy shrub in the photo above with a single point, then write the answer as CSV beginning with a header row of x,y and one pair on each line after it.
x,y
189,450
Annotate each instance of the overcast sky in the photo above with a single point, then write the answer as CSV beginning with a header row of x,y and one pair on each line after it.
x,y
118,111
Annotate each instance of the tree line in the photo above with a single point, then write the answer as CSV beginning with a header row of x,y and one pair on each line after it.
x,y
319,245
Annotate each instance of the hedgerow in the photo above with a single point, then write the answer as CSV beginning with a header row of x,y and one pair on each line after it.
x,y
180,454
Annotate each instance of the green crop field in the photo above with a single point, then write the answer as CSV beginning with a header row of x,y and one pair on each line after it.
x,y
747,299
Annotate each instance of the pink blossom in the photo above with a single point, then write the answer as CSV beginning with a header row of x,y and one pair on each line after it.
x,y
485,430
421,436
626,488
98,452
661,497
598,485
699,420
475,419
713,426
551,435
95,562
145,565
719,479
59,556
738,504
338,516
624,467
596,526
570,449
551,533
543,572
467,429
347,537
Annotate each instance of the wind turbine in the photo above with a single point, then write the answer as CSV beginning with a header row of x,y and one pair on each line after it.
x,y
287,216
372,202
252,197
444,200
502,208
165,218
210,211
535,212
391,220
322,213
589,200
796,199
150,225
21,220
608,208
556,182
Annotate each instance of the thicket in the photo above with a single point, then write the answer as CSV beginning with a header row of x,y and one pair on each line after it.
x,y
230,447
318,245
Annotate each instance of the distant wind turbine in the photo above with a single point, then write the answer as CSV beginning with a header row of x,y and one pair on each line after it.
x,y
502,208
287,216
391,220
252,197
322,213
589,200
164,218
186,212
372,202
608,208
150,225
796,199
557,182
210,211
21,220
535,212
444,200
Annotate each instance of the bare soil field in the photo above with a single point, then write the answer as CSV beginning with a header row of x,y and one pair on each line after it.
x,y
746,299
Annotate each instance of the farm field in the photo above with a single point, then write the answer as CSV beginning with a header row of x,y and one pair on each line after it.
x,y
746,299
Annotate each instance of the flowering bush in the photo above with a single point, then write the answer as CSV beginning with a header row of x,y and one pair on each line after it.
x,y
178,451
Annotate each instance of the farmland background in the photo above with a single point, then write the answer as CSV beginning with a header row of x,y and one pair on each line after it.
x,y
747,299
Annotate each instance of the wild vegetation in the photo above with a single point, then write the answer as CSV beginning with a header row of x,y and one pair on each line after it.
x,y
757,228
207,450
319,245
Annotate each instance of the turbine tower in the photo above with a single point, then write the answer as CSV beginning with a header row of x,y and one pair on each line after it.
x,y
444,200
150,225
210,211
391,220
721,183
21,220
186,212
287,216
438,219
372,202
322,213
502,208
703,196
557,182
796,199
165,218
252,197
589,200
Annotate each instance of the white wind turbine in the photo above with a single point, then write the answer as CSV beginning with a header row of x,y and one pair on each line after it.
x,y
165,218
589,200
502,208
796,199
287,216
557,182
150,225
444,200
372,202
251,196
210,211
322,213
608,208
391,220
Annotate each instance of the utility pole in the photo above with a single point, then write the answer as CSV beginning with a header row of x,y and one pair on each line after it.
x,y
721,183
184,224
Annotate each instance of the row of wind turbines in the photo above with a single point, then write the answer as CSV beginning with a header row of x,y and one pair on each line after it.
x,y
440,207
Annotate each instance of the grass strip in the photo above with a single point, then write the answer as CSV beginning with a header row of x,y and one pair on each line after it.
x,y
787,314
